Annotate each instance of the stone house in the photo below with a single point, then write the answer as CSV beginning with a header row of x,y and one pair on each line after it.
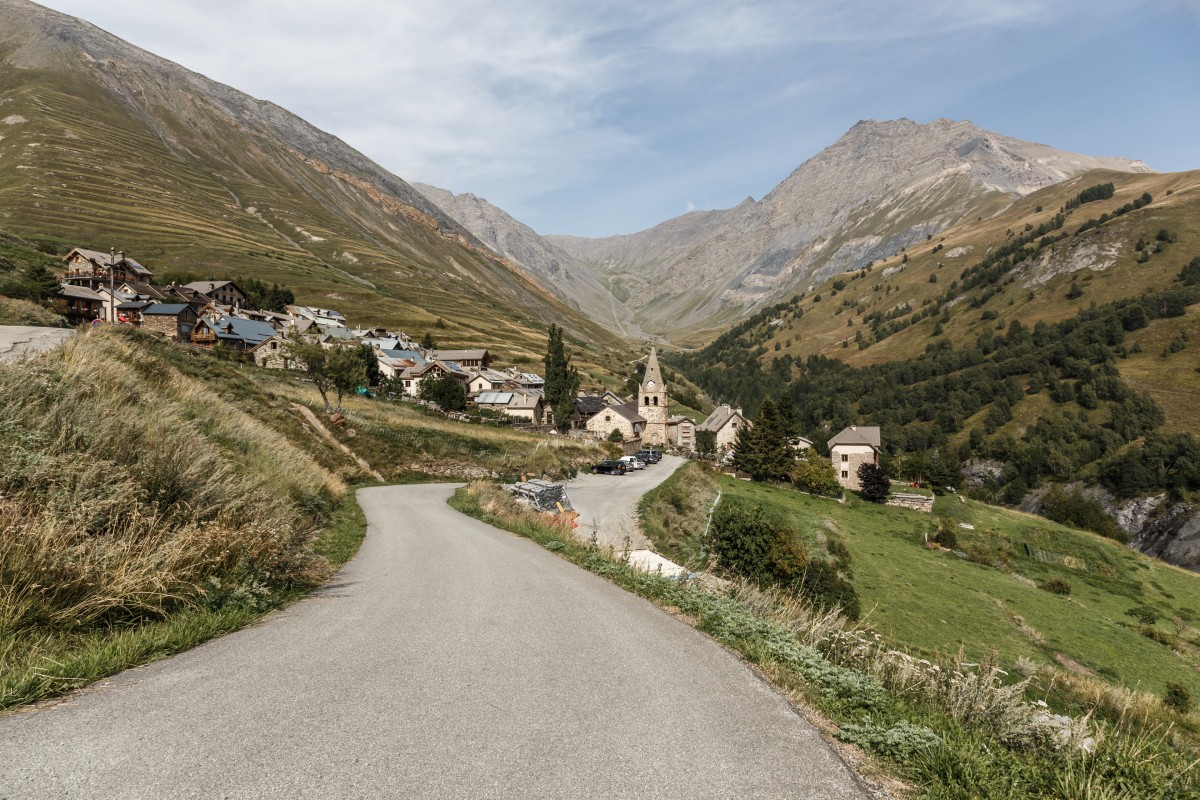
x,y
486,380
223,293
529,406
173,320
854,446
681,432
724,421
92,267
623,418
271,353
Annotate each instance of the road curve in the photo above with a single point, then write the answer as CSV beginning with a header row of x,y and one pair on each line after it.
x,y
18,341
448,659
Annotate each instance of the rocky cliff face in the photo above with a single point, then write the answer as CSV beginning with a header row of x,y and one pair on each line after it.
x,y
881,187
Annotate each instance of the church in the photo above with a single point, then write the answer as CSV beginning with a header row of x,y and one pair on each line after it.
x,y
652,403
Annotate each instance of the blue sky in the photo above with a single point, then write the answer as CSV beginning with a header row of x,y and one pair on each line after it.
x,y
613,115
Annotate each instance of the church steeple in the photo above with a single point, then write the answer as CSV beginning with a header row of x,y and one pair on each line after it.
x,y
652,403
653,380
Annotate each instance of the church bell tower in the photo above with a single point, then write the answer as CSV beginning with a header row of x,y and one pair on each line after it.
x,y
652,403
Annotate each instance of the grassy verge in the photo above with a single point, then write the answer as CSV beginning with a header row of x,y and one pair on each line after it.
x,y
37,666
955,729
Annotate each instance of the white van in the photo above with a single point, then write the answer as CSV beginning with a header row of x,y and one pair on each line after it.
x,y
632,462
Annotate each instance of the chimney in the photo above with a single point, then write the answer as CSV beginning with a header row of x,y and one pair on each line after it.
x,y
853,427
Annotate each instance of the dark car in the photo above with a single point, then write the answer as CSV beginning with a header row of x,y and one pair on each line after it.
x,y
609,468
649,456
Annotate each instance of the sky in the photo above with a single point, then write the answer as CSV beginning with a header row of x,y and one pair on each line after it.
x,y
610,116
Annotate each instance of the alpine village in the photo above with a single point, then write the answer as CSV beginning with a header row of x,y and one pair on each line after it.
x,y
911,442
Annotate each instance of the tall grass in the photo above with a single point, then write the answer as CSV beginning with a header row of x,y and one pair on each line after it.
x,y
133,493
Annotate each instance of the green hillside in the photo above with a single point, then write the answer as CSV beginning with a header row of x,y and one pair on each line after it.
x,y
931,602
123,150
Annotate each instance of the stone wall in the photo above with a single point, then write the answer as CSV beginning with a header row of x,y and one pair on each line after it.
x,y
913,502
846,460
161,324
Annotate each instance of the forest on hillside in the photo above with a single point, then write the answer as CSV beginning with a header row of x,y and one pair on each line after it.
x,y
951,404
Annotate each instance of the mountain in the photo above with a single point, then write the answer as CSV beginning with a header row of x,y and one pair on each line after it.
x,y
883,186
548,264
1049,343
104,144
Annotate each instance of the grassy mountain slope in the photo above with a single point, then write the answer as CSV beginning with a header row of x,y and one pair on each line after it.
x,y
102,144
1101,262
919,598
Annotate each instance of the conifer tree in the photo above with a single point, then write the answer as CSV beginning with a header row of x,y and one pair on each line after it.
x,y
562,379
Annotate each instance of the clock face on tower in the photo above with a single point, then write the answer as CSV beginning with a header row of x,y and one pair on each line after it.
x,y
650,384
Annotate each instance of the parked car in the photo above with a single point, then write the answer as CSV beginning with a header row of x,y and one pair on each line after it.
x,y
609,468
651,456
632,462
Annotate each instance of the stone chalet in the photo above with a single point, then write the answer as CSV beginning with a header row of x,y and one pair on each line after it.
x,y
681,432
851,448
467,359
224,293
724,421
92,267
624,418
79,304
172,320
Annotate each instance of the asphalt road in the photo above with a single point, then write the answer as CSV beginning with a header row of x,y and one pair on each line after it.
x,y
17,341
607,504
448,659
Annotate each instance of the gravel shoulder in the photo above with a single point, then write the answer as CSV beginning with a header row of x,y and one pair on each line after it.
x,y
447,659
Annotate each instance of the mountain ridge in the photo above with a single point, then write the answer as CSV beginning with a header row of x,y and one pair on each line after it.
x,y
107,143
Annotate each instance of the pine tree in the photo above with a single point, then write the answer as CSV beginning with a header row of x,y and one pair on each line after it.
x,y
762,449
562,379
874,483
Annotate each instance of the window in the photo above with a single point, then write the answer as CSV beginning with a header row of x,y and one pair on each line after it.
x,y
845,457
656,401
845,474
733,425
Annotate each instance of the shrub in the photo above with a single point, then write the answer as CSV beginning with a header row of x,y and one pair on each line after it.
x,y
1143,614
615,435
875,484
1057,586
1178,697
900,742
1076,509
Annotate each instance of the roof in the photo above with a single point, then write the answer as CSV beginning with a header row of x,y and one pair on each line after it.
x,y
490,375
165,309
208,287
146,289
103,259
525,400
460,355
250,331
410,355
134,305
719,418
653,380
629,411
856,434
679,420
589,405
494,398
80,293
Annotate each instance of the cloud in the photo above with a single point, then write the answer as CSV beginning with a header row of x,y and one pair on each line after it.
x,y
690,206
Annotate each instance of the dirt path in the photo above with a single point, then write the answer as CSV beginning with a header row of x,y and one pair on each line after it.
x,y
325,433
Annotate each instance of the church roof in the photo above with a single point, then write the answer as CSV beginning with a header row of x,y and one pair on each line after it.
x,y
653,381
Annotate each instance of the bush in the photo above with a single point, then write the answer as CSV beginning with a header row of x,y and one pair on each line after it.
x,y
1075,509
752,545
900,742
1057,586
1178,697
1143,614
616,436
875,484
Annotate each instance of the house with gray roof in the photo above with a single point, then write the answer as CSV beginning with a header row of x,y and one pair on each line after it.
x,y
853,447
623,418
725,421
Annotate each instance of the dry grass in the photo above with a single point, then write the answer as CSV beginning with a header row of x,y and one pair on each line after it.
x,y
133,491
